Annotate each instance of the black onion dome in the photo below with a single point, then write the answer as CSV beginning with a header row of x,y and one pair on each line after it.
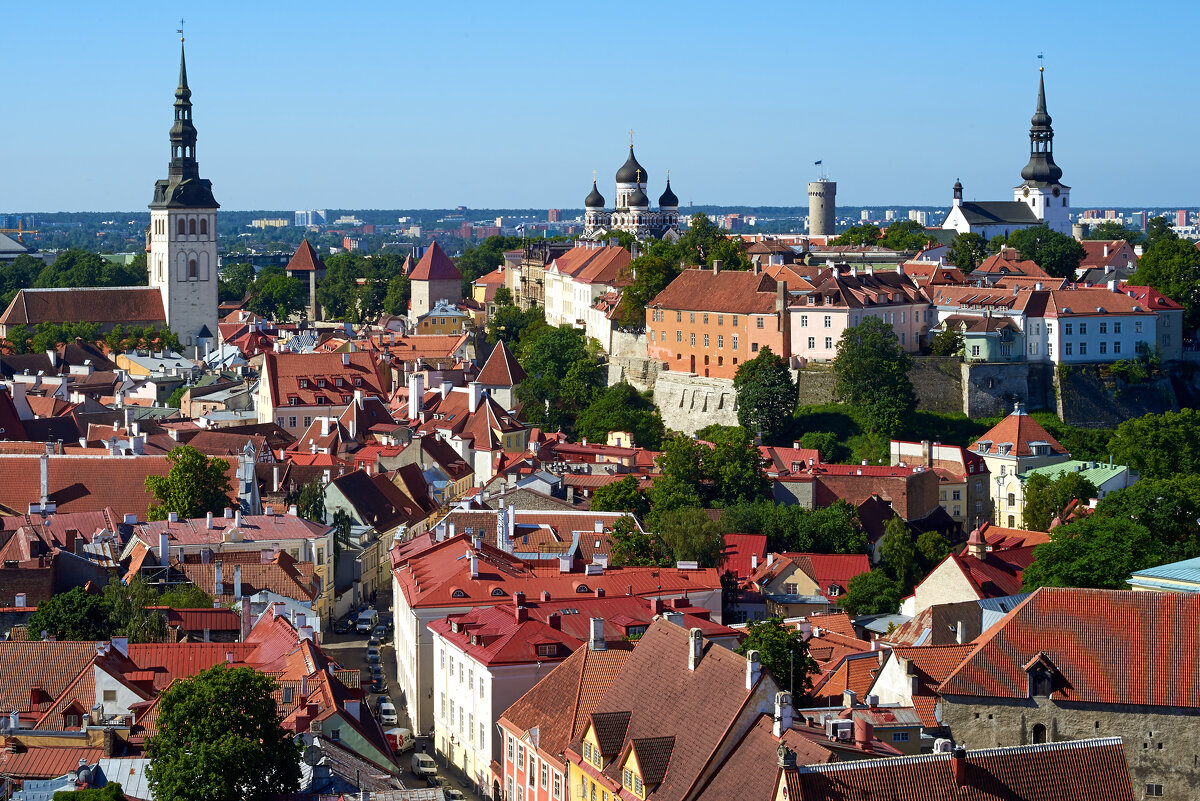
x,y
667,199
631,172
638,199
594,200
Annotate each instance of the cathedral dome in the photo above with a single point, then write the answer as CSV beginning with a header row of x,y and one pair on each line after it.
x,y
631,172
667,199
594,200
638,199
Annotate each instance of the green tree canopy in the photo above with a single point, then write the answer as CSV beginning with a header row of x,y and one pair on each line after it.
x,y
128,615
185,596
871,593
194,486
695,474
899,553
1057,254
766,396
634,547
1097,551
784,653
858,236
1159,445
1158,229
966,251
947,342
621,496
1172,266
905,235
220,737
71,615
109,792
871,372
1111,230
829,529
621,408
1046,497
688,535
234,281
273,294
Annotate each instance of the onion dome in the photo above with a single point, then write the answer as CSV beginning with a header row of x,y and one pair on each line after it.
x,y
667,199
631,172
594,200
638,199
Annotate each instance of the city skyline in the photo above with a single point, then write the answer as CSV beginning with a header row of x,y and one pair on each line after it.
x,y
447,107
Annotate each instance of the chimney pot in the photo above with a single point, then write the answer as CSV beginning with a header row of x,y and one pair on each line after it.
x,y
596,641
695,648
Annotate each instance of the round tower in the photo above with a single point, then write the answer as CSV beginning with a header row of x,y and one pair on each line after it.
x,y
822,202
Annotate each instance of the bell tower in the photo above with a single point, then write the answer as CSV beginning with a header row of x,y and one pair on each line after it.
x,y
183,235
1041,187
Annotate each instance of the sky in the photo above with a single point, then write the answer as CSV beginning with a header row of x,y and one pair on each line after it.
x,y
513,105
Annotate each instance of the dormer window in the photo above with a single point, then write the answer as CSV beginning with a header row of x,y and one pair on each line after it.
x,y
303,383
498,592
548,650
458,594
583,588
1041,683
320,382
339,382
357,381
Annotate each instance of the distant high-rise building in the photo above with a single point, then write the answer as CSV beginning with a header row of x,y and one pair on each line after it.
x,y
912,214
822,207
554,215
1091,214
1110,214
1138,219
310,217
889,215
864,215
1181,217
352,243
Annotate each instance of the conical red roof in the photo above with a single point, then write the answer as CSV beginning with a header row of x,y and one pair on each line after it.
x,y
435,265
305,259
502,369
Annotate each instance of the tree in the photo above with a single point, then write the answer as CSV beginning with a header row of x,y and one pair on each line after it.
x,y
1172,266
186,596
871,372
220,736
652,272
1046,497
689,535
858,236
932,548
234,281
128,612
1159,445
905,235
276,295
733,469
194,486
704,242
109,792
72,615
966,251
783,652
309,500
621,496
176,399
1158,229
766,396
830,529
622,408
1111,230
1058,254
510,323
824,443
898,553
395,301
947,342
871,593
1096,551
503,296
631,546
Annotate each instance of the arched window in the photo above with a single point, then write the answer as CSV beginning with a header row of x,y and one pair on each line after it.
x,y
1039,733
458,594
203,225
192,269
192,226
181,228
498,592
582,588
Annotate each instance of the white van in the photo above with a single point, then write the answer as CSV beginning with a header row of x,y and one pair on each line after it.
x,y
366,621
387,712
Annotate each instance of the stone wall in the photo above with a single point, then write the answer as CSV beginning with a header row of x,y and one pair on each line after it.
x,y
689,402
991,389
814,385
938,383
640,372
627,344
1090,397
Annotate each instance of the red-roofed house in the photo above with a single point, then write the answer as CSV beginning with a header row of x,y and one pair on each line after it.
x,y
576,278
297,388
974,574
964,486
795,584
1067,664
1169,319
500,376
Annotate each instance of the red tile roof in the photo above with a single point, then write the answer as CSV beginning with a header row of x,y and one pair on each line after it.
x,y
104,305
931,664
739,553
1150,298
1017,429
998,573
752,771
435,265
1082,770
1104,644
305,259
46,762
856,671
1084,301
1009,262
730,292
282,575
39,672
502,368
285,372
588,264
254,528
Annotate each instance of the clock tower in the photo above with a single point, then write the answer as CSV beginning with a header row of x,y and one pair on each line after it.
x,y
183,235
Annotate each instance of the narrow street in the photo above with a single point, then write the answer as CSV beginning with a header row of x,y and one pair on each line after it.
x,y
351,651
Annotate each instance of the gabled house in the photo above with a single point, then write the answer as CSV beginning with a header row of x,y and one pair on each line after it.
x,y
972,575
794,584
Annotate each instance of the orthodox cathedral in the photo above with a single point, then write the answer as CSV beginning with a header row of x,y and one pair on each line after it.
x,y
632,213
1040,198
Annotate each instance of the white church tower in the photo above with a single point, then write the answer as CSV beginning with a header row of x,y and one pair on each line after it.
x,y
183,236
1041,187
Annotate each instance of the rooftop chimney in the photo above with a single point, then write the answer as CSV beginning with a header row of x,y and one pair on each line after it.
x,y
753,669
237,582
754,561
163,549
716,266
958,765
345,360
44,471
446,386
218,583
695,648
849,699
864,733
475,392
596,640
783,714
121,644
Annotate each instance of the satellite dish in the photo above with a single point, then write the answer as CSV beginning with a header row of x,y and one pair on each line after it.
x,y
312,756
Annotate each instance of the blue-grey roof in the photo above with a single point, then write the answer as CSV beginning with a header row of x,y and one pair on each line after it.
x,y
998,212
1170,576
880,623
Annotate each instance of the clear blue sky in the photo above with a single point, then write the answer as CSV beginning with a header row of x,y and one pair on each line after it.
x,y
425,105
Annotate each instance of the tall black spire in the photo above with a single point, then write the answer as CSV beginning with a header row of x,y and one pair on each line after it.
x,y
1041,168
183,186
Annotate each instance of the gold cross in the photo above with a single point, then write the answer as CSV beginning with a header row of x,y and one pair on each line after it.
x,y
639,176
631,137
593,176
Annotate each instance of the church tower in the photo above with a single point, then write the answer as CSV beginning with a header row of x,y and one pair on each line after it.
x,y
183,235
1041,188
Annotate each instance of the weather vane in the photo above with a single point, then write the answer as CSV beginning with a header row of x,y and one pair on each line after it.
x,y
179,30
1041,64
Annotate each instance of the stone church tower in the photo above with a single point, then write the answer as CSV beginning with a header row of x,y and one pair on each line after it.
x,y
183,235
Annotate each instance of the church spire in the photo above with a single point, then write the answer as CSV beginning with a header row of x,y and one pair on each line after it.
x,y
1041,168
183,133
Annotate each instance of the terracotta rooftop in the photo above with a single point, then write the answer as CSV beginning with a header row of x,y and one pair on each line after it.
x,y
435,265
501,368
102,305
305,259
729,292
1017,430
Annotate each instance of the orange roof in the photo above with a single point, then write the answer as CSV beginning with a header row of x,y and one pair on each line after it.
x,y
502,368
1110,647
305,259
1017,430
312,378
730,292
435,265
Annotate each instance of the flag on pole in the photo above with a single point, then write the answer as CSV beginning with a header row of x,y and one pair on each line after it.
x,y
816,162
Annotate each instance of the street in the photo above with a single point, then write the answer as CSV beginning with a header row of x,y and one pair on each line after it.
x,y
351,651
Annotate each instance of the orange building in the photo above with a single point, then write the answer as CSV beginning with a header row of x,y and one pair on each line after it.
x,y
708,322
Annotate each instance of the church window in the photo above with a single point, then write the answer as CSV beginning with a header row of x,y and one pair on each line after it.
x,y
181,226
203,225
192,269
192,226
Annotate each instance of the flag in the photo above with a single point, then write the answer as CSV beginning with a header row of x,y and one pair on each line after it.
x,y
816,162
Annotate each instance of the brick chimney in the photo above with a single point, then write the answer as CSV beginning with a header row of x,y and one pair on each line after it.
x,y
958,766
783,714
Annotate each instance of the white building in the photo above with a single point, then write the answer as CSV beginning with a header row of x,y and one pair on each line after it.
x,y
632,213
576,278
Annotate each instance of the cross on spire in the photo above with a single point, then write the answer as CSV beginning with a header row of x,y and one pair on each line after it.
x,y
179,30
631,137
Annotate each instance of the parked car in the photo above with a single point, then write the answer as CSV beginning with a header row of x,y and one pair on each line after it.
x,y
380,632
390,627
367,621
341,626
423,765
453,794
379,685
387,712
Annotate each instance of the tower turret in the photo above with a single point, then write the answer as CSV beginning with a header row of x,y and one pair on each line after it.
x,y
1041,168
